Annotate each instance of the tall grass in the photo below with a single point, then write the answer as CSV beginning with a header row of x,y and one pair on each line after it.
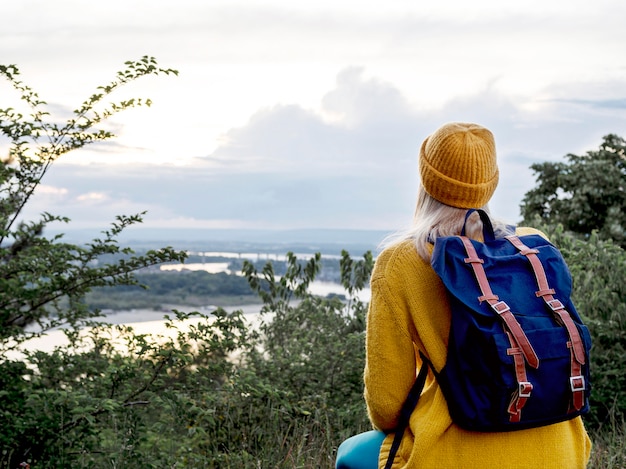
x,y
609,446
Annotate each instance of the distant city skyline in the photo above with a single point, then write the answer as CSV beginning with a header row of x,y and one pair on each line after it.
x,y
292,115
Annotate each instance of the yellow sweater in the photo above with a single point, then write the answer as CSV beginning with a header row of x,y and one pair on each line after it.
x,y
409,312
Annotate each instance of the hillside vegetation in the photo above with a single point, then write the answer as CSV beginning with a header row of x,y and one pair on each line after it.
x,y
216,391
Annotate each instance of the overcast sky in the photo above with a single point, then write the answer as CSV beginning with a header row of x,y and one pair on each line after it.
x,y
310,114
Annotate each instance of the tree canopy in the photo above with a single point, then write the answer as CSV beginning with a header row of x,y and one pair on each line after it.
x,y
580,204
584,194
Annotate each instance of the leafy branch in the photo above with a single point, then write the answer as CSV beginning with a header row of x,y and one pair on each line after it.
x,y
43,281
37,143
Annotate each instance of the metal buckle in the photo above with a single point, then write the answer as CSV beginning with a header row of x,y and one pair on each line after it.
x,y
577,383
500,307
555,304
525,388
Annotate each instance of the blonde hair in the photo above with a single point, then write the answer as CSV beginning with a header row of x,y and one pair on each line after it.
x,y
434,219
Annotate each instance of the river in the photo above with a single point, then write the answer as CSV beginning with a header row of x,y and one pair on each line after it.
x,y
148,321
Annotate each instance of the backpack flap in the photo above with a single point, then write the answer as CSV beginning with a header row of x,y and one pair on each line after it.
x,y
510,364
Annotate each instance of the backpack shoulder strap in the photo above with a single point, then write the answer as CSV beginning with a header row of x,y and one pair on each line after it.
x,y
500,307
521,349
562,315
407,408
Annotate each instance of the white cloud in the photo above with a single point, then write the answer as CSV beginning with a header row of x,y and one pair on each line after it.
x,y
312,113
91,197
291,167
51,191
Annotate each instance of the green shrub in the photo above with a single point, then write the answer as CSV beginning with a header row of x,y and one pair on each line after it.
x,y
106,395
213,394
598,271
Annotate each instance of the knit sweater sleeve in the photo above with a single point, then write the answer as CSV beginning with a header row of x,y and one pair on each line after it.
x,y
390,353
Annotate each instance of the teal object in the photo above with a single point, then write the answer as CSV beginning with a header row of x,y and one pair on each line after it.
x,y
360,451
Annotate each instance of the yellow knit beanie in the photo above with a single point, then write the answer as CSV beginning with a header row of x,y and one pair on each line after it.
x,y
458,166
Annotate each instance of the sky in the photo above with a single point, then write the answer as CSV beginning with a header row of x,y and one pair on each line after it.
x,y
310,114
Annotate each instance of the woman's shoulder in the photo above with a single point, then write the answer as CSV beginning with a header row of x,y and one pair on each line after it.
x,y
527,230
399,251
398,258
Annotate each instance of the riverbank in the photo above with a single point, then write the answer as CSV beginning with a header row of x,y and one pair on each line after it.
x,y
147,322
136,317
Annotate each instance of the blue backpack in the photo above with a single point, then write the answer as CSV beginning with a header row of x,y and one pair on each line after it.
x,y
518,352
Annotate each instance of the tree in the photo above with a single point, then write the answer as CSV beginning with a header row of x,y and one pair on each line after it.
x,y
52,405
586,193
43,280
581,205
112,397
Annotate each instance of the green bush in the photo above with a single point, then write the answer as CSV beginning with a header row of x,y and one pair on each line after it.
x,y
108,394
598,271
215,394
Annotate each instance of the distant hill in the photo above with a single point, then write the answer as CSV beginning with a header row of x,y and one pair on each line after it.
x,y
327,241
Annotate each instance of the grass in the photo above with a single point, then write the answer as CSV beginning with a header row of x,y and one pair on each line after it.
x,y
609,447
311,447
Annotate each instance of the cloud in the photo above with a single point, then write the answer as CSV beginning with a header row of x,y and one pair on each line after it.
x,y
95,194
374,133
92,197
350,163
357,100
600,104
364,125
51,191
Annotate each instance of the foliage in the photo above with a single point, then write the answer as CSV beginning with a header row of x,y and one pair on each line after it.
x,y
298,390
108,396
316,347
43,281
211,392
598,270
584,194
214,393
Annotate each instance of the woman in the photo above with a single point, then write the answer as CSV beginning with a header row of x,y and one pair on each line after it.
x,y
409,314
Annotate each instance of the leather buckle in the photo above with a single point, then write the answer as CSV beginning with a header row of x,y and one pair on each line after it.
x,y
525,388
577,383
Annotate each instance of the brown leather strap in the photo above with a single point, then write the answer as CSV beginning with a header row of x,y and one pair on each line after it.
x,y
500,307
575,344
524,387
